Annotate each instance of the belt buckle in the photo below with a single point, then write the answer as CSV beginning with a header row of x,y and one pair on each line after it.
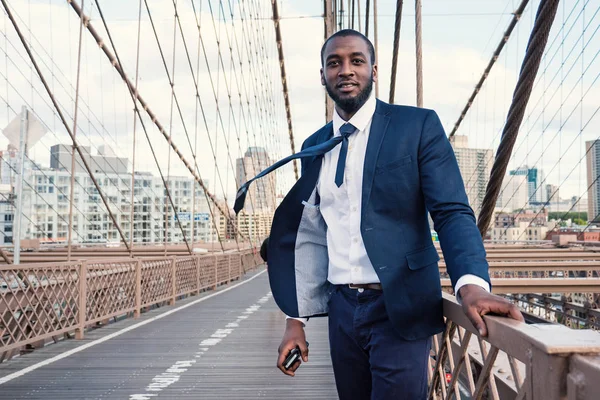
x,y
358,288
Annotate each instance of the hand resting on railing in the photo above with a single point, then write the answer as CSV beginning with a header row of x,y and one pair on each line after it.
x,y
477,302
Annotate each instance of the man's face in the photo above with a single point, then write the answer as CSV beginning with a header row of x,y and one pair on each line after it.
x,y
347,72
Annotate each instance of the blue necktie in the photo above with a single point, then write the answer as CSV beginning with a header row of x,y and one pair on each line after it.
x,y
313,151
345,131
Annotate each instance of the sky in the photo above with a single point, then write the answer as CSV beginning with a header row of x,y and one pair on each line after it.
x,y
459,38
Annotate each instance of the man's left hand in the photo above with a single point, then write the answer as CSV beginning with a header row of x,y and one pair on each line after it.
x,y
477,302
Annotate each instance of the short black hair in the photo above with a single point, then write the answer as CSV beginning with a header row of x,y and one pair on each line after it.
x,y
349,32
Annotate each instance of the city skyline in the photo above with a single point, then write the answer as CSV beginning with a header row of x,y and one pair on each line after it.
x,y
522,188
475,166
47,189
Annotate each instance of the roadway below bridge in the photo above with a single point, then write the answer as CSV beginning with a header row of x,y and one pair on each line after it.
x,y
219,345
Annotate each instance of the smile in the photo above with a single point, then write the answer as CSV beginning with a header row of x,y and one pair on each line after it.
x,y
346,87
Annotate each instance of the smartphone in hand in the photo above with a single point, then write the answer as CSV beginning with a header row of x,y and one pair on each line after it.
x,y
292,357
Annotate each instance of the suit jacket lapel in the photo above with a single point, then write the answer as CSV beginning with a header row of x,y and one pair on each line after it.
x,y
324,135
379,126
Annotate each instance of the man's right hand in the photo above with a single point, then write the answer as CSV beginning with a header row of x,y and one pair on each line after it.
x,y
293,337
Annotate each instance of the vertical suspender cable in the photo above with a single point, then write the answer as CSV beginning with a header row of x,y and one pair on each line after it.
x,y
72,190
367,17
397,25
328,31
349,15
286,98
166,205
419,50
137,66
376,42
195,151
334,8
359,19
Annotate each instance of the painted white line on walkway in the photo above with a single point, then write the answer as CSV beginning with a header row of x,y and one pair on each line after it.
x,y
173,374
66,354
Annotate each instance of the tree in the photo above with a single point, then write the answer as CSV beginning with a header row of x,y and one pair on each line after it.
x,y
570,215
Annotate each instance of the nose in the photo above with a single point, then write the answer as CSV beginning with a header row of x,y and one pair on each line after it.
x,y
346,69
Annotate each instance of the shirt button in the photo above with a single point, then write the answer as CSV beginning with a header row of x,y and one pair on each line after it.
x,y
354,209
355,240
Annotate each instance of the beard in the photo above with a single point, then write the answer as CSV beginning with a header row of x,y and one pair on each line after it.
x,y
351,104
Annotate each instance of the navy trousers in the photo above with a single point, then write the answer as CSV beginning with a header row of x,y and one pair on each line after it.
x,y
370,361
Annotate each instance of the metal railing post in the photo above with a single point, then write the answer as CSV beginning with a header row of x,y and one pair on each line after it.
x,y
547,374
79,332
229,268
173,280
216,272
138,288
582,381
242,266
197,275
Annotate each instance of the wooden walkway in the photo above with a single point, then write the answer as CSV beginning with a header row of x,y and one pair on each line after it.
x,y
219,345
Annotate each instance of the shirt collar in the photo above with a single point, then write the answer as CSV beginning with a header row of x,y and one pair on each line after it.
x,y
360,120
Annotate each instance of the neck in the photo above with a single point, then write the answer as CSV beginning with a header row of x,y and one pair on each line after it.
x,y
344,114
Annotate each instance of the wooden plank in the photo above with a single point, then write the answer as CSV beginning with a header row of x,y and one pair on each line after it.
x,y
240,365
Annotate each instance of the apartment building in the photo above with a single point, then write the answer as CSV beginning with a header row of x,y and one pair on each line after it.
x,y
475,167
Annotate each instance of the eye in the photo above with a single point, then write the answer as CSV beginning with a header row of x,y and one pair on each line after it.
x,y
358,61
332,63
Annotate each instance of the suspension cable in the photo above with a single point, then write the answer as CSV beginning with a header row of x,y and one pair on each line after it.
x,y
397,25
516,17
146,108
132,93
535,49
277,21
72,189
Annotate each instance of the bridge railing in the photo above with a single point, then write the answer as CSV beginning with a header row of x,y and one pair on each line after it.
x,y
43,301
515,361
561,310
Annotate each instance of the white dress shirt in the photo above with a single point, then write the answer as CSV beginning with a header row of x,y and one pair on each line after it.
x,y
341,207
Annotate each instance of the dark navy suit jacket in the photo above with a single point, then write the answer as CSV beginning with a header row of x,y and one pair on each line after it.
x,y
409,169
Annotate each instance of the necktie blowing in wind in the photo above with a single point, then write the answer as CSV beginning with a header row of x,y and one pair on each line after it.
x,y
345,130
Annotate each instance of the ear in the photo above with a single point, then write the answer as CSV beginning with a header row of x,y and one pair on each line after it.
x,y
375,73
322,77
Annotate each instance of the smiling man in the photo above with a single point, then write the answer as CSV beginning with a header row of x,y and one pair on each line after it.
x,y
351,239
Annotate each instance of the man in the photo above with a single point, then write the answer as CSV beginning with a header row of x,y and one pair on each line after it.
x,y
352,240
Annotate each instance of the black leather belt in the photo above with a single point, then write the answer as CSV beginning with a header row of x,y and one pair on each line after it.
x,y
373,286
